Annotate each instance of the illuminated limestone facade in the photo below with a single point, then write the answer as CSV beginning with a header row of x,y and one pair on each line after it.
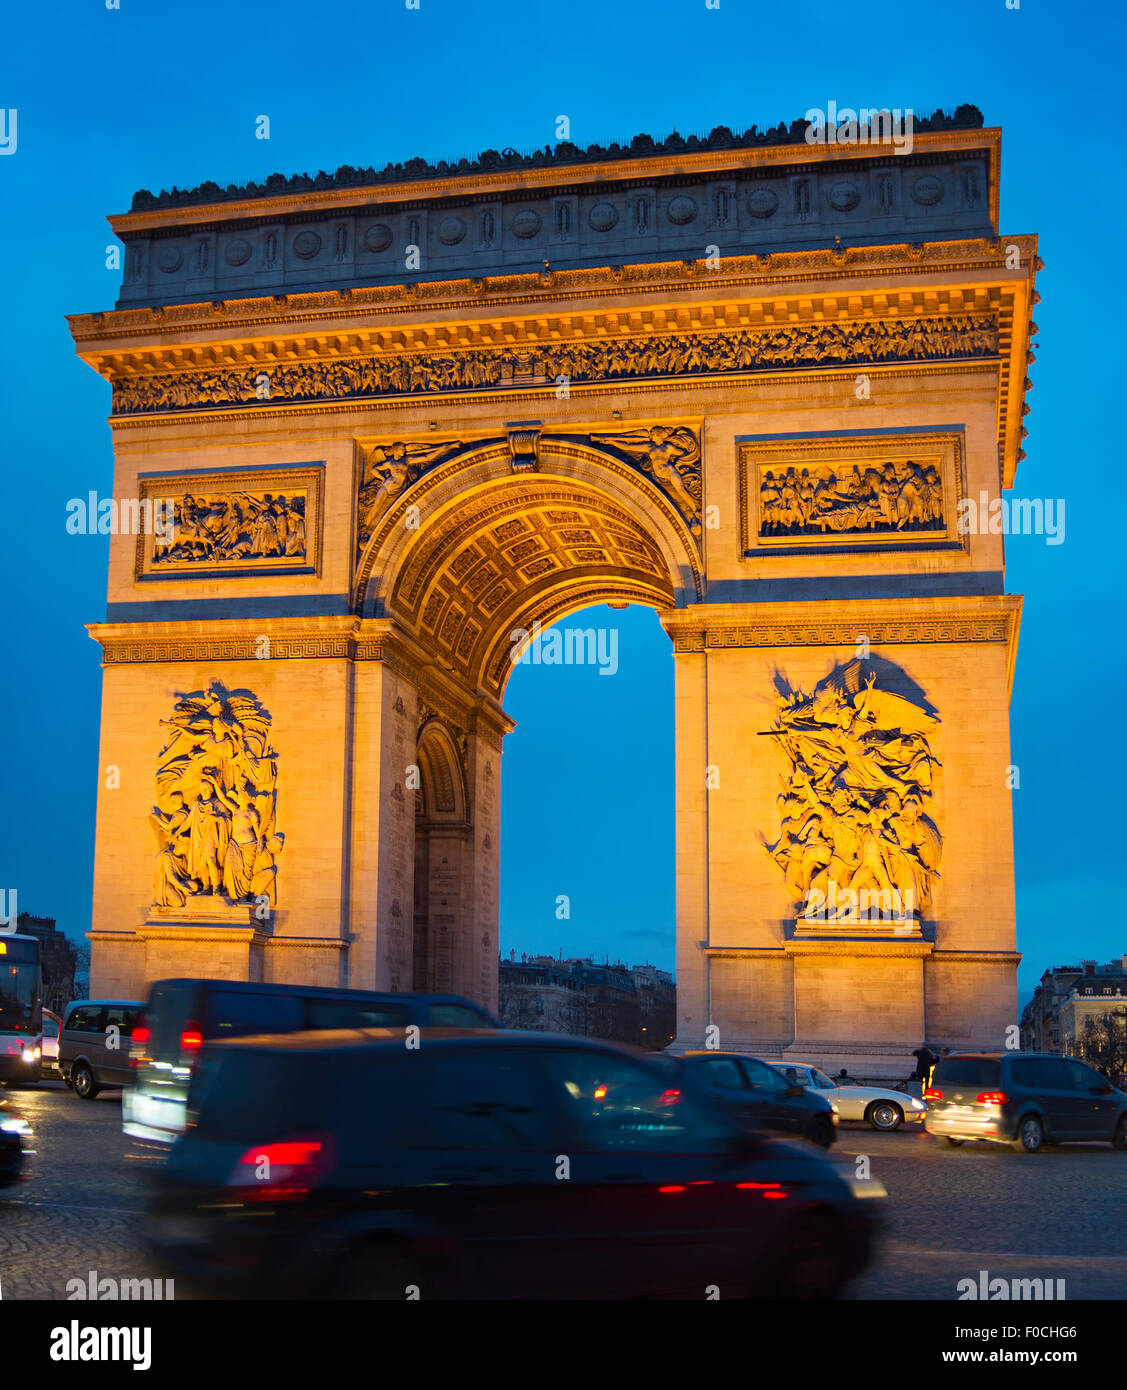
x,y
383,424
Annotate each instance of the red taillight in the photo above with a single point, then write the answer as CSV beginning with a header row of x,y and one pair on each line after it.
x,y
282,1171
671,1188
191,1041
140,1034
991,1098
670,1097
931,1094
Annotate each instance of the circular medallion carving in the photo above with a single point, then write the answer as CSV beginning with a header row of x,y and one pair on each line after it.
x,y
306,245
681,210
170,259
764,202
526,224
603,216
844,197
377,237
238,252
927,190
451,230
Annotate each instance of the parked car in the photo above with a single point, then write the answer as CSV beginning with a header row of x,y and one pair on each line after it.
x,y
94,1044
757,1095
183,1014
496,1164
1025,1099
877,1106
52,1023
15,1145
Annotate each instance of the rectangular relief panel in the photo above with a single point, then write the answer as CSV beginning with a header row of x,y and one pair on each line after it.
x,y
851,493
259,521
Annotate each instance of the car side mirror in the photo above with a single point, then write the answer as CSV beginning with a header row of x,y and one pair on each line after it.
x,y
1100,1090
795,1090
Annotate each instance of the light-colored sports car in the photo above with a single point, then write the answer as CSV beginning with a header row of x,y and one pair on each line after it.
x,y
871,1105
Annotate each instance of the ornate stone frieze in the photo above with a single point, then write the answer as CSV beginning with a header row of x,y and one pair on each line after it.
x,y
900,496
214,818
223,523
821,492
232,528
797,345
855,845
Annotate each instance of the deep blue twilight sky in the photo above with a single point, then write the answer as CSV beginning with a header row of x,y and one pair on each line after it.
x,y
153,95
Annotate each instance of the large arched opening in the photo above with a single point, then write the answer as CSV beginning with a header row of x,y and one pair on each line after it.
x,y
472,566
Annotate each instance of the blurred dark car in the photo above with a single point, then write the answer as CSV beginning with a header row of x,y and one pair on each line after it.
x,y
509,1165
1025,1099
15,1145
181,1015
757,1095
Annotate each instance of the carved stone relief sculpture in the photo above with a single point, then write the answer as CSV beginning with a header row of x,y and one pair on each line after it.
x,y
900,495
233,527
214,818
851,808
389,470
671,458
636,356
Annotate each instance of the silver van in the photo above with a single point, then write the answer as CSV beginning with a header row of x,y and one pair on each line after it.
x,y
94,1044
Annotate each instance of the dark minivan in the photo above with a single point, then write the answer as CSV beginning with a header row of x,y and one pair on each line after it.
x,y
479,1165
94,1044
183,1014
1026,1099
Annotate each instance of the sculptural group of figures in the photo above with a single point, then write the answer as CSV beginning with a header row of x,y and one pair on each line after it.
x,y
900,496
851,810
796,345
216,793
234,526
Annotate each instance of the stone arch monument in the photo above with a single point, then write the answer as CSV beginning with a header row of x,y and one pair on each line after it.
x,y
369,429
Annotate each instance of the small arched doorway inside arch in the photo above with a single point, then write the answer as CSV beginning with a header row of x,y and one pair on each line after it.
x,y
441,863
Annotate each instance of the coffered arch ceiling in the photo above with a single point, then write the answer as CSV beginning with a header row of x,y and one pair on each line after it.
x,y
515,550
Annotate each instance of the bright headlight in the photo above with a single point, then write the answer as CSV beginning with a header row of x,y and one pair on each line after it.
x,y
13,1126
30,1054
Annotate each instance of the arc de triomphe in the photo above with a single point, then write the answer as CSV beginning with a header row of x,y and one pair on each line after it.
x,y
368,426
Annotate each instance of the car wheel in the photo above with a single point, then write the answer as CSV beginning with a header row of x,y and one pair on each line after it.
x,y
1030,1135
1119,1138
953,1142
811,1264
821,1132
82,1082
884,1114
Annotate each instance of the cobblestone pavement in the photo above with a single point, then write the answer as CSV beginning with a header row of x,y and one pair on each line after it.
x,y
951,1213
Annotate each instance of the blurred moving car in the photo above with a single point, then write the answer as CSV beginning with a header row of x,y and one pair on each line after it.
x,y
52,1024
15,1145
872,1105
758,1097
93,1052
183,1014
513,1165
1025,1099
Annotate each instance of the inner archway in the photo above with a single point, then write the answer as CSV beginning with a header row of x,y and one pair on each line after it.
x,y
485,581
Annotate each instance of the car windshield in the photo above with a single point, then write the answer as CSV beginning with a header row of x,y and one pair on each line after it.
x,y
822,1080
